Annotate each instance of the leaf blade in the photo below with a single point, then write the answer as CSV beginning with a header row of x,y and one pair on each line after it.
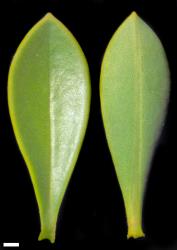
x,y
49,100
134,92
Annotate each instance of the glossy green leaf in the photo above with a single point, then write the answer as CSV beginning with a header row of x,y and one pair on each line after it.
x,y
49,101
134,91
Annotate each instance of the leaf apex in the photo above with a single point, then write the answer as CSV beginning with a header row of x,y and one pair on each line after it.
x,y
134,14
49,16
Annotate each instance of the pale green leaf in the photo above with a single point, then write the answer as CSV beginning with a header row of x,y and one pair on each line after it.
x,y
134,91
49,101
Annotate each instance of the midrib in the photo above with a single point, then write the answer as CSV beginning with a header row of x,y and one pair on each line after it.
x,y
138,112
52,129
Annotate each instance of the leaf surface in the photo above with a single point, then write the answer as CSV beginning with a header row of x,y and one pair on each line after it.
x,y
134,92
49,101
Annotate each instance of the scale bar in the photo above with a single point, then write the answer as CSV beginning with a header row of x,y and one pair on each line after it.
x,y
12,244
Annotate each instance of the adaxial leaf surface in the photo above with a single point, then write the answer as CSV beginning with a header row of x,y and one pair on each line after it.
x,y
49,100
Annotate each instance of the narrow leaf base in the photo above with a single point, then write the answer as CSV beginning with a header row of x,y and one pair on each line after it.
x,y
48,234
134,227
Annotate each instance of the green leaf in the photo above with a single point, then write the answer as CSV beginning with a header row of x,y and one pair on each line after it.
x,y
49,101
134,91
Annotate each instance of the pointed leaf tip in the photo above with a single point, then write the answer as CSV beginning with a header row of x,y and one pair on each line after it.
x,y
133,17
49,16
134,14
